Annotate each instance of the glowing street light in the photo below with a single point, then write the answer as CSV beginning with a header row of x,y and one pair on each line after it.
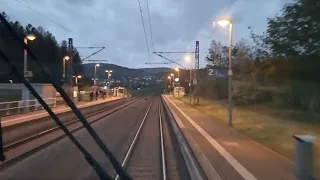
x,y
224,22
172,79
29,37
169,77
188,59
77,77
66,58
109,75
177,70
95,73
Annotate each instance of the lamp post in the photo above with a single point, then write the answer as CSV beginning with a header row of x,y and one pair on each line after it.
x,y
177,70
187,58
29,37
95,73
77,77
109,75
169,77
66,58
224,22
172,79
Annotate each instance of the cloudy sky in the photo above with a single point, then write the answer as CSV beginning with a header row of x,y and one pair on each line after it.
x,y
117,25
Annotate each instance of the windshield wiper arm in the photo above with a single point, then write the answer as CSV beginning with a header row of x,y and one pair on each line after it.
x,y
119,169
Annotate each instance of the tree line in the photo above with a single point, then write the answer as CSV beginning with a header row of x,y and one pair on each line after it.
x,y
286,54
45,46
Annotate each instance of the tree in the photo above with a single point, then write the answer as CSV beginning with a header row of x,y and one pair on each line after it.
x,y
296,31
217,55
44,46
295,34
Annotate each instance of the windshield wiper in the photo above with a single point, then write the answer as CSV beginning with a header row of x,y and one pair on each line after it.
x,y
103,175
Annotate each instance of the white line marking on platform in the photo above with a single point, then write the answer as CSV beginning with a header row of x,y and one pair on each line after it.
x,y
232,161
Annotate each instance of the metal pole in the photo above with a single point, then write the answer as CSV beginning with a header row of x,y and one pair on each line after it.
x,y
190,81
173,81
95,75
230,76
2,157
76,80
170,86
25,59
64,67
108,83
71,67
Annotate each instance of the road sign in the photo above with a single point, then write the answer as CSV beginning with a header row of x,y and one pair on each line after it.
x,y
28,74
218,72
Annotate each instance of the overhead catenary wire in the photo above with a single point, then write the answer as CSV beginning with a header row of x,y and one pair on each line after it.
x,y
144,30
170,60
150,27
102,48
228,9
233,1
53,21
69,102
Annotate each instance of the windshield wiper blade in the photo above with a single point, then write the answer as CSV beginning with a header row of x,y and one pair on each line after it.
x,y
102,174
119,169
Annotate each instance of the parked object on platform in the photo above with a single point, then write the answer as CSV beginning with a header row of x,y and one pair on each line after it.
x,y
304,157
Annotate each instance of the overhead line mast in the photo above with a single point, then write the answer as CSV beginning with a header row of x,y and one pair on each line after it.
x,y
196,71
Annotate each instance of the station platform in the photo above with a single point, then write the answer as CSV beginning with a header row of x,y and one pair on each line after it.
x,y
225,153
10,120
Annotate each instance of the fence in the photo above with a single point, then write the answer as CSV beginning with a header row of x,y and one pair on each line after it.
x,y
18,107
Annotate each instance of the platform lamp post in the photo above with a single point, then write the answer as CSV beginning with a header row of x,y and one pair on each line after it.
x,y
76,78
188,59
65,59
224,22
172,79
109,75
95,73
169,77
29,37
177,70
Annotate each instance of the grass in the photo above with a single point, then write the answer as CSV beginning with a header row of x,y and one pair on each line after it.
x,y
271,127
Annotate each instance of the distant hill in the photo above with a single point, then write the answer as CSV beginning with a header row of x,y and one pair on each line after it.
x,y
120,71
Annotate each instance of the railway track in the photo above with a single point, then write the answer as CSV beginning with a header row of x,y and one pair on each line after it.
x,y
20,149
151,148
140,136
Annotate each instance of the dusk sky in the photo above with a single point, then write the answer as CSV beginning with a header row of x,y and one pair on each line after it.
x,y
117,25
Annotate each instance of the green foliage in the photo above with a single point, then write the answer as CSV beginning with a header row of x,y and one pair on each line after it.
x,y
282,66
44,46
218,55
296,31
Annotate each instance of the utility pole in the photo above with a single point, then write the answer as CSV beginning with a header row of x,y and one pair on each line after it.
x,y
70,79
